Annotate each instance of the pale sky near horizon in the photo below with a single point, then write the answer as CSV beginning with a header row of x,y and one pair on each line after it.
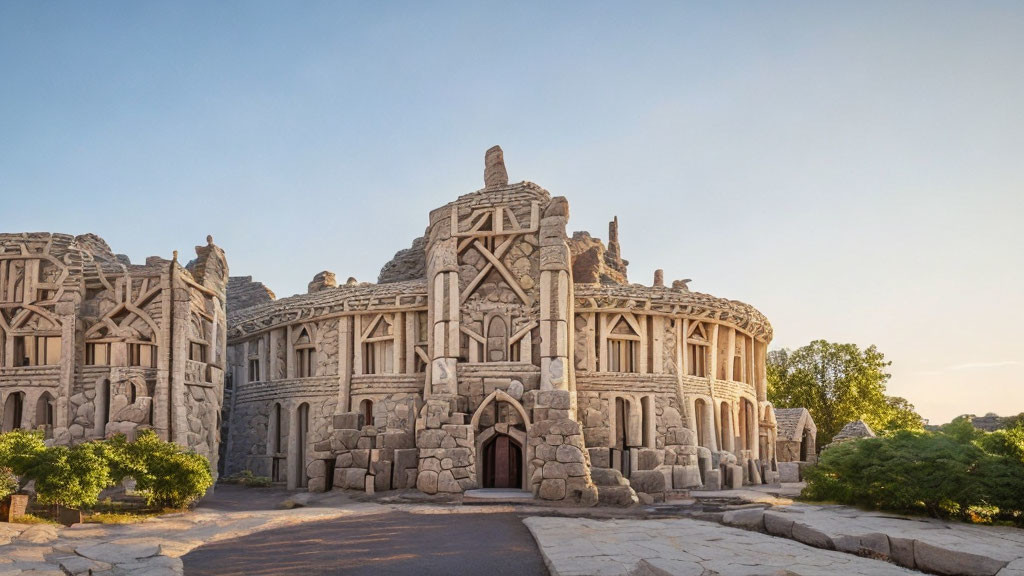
x,y
853,170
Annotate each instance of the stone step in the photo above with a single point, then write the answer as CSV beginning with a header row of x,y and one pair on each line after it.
x,y
498,496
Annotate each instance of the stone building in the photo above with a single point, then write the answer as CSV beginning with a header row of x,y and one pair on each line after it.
x,y
497,351
795,446
852,431
796,435
92,345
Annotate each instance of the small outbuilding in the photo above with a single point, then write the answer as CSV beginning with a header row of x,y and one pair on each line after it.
x,y
852,431
797,435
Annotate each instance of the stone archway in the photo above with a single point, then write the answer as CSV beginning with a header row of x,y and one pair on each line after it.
x,y
499,396
501,448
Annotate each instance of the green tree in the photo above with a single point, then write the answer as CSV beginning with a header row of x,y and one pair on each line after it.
x,y
837,383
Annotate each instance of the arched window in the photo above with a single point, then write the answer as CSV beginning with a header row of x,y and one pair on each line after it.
x,y
300,457
305,356
276,432
44,410
13,408
725,430
366,410
621,424
700,416
497,340
647,417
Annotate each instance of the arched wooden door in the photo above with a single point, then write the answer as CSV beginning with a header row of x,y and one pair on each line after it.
x,y
503,463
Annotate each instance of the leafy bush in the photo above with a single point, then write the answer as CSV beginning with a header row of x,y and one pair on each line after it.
x,y
955,473
70,477
74,477
19,450
166,474
8,482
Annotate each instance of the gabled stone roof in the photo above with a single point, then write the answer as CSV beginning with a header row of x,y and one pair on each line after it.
x,y
792,422
858,429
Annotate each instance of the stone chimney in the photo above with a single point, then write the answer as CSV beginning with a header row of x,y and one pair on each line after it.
x,y
322,281
494,168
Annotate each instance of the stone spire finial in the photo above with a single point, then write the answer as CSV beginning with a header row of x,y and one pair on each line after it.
x,y
659,278
209,239
494,168
613,236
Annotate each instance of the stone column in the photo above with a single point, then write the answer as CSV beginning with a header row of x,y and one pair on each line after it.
x,y
293,446
344,364
289,353
162,394
66,312
443,295
180,305
555,295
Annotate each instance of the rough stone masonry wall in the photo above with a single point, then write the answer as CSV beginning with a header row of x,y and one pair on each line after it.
x,y
447,461
560,463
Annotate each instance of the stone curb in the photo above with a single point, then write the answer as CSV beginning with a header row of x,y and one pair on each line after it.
x,y
907,552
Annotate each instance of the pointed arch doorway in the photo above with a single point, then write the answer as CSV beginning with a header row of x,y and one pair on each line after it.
x,y
503,463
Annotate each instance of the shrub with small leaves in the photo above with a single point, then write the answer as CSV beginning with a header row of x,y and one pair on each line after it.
x,y
71,477
20,449
958,472
8,482
166,474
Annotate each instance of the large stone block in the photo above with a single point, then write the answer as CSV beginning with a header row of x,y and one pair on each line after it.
x,y
347,438
568,453
713,479
552,489
616,496
600,457
426,482
382,476
649,481
748,518
649,459
733,477
348,421
607,477
430,438
555,470
686,477
353,478
446,482
361,458
395,440
789,472
406,458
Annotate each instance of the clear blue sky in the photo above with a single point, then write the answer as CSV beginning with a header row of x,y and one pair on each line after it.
x,y
855,170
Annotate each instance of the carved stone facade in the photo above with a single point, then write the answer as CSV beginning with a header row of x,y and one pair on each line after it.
x,y
92,345
498,352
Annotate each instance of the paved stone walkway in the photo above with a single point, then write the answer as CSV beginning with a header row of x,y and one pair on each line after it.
x,y
154,547
914,542
794,537
683,547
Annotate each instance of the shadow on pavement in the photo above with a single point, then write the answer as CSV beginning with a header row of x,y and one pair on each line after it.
x,y
380,544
